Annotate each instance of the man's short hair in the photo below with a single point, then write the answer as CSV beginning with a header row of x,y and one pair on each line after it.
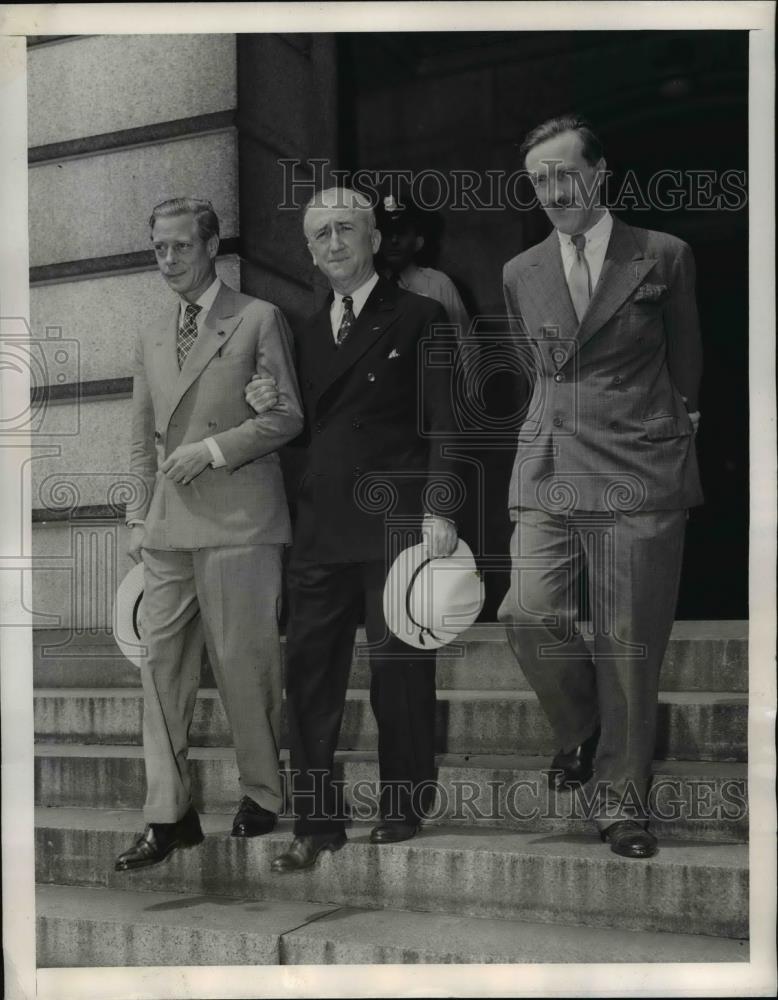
x,y
591,146
344,198
200,209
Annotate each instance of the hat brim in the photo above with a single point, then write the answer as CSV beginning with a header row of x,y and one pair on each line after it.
x,y
126,610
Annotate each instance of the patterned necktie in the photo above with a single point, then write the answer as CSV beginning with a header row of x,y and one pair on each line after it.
x,y
187,333
580,278
348,320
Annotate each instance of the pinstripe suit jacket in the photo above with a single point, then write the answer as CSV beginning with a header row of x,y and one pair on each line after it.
x,y
243,503
607,427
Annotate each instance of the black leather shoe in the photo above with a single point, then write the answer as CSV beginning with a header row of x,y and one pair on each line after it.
x,y
393,832
304,851
574,767
630,839
251,820
159,840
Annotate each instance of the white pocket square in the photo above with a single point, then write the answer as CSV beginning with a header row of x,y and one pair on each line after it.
x,y
394,353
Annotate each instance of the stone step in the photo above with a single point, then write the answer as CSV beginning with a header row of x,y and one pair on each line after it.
x,y
123,927
692,801
691,725
701,656
567,879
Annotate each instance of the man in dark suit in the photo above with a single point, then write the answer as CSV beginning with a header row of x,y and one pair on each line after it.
x,y
210,527
376,418
604,473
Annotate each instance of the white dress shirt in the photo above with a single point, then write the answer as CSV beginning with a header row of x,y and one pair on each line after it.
x,y
596,244
436,285
359,298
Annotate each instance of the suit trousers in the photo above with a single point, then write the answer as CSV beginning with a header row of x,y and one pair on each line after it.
x,y
230,597
631,564
324,607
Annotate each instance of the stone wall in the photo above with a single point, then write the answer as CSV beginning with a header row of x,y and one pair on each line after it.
x,y
116,125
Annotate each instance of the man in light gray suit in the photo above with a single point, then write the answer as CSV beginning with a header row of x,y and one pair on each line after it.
x,y
211,528
604,473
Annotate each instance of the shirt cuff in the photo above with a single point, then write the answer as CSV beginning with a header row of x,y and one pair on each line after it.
x,y
218,461
135,521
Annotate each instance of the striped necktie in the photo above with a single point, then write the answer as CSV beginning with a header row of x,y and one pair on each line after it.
x,y
187,333
580,278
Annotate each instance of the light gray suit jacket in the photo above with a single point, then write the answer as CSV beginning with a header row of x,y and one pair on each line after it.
x,y
243,503
607,427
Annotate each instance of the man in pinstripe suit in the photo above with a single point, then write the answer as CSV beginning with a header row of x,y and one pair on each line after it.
x,y
604,473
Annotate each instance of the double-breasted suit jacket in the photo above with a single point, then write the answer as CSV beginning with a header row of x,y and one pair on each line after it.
x,y
242,503
378,416
605,469
607,426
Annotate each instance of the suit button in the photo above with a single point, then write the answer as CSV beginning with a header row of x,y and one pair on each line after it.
x,y
559,377
617,380
308,384
356,424
157,436
370,377
318,427
557,421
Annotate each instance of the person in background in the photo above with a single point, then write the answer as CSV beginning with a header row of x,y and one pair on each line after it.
x,y
402,238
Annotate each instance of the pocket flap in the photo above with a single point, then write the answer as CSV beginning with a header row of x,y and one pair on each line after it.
x,y
666,426
529,430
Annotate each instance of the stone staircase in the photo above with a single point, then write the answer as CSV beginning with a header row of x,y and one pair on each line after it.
x,y
502,872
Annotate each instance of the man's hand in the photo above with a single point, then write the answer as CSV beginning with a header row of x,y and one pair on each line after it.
x,y
694,416
186,462
262,393
439,535
137,536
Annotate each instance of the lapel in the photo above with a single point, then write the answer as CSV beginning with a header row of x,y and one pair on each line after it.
x,y
624,267
377,314
544,279
165,357
321,344
219,325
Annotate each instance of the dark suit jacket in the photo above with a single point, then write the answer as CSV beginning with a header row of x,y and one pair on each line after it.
x,y
378,414
242,503
607,427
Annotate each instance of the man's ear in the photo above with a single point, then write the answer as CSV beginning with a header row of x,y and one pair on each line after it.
x,y
375,239
418,243
213,247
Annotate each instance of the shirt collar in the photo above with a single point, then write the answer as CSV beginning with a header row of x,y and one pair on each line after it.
x,y
599,233
360,295
206,300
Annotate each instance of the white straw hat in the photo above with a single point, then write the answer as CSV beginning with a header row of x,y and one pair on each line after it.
x,y
429,602
127,615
